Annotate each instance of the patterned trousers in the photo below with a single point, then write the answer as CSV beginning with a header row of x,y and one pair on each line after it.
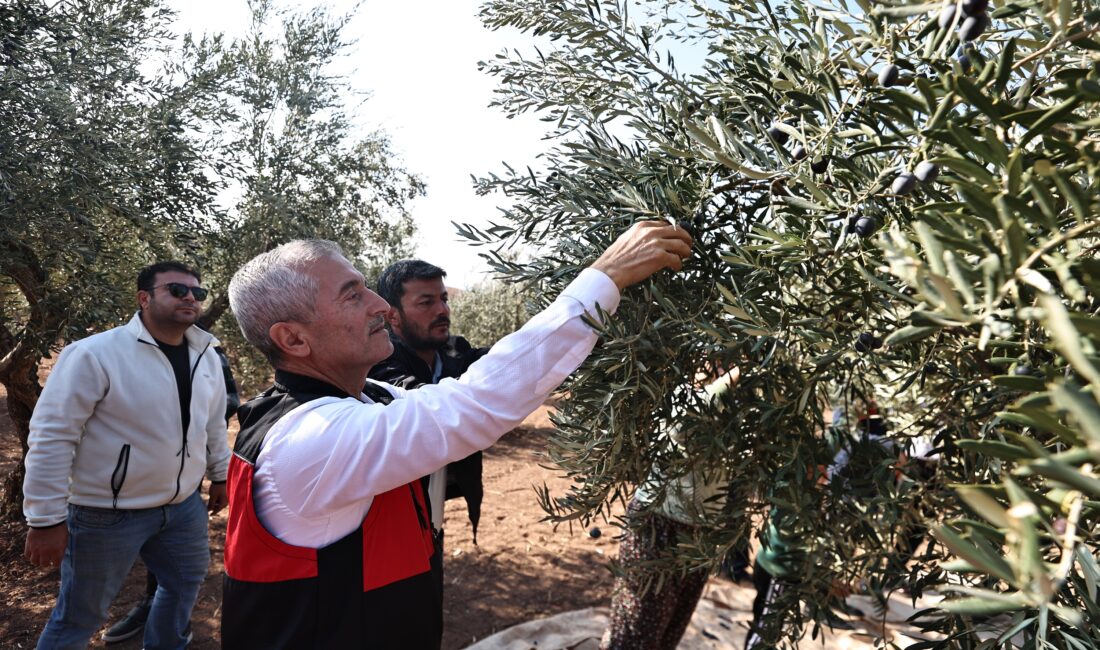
x,y
656,618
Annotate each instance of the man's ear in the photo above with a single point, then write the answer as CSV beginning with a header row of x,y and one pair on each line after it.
x,y
393,319
290,340
143,299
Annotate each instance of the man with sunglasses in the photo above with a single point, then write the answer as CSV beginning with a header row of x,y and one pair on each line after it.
x,y
129,422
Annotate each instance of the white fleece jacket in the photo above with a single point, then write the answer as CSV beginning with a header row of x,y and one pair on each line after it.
x,y
106,431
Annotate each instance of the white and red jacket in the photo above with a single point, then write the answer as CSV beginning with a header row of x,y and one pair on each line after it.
x,y
328,544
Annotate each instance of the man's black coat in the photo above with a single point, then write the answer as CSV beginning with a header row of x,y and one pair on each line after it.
x,y
405,369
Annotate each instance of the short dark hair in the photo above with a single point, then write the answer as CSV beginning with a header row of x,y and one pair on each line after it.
x,y
148,275
391,284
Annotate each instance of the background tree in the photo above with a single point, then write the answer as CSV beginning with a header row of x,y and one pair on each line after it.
x,y
489,311
923,177
299,163
109,163
100,172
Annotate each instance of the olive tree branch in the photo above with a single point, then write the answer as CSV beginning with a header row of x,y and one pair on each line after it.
x,y
1054,43
1042,250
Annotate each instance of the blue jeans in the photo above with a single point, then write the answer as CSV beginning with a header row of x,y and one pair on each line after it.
x,y
103,544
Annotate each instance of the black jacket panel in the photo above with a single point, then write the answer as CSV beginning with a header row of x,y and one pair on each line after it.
x,y
405,369
377,587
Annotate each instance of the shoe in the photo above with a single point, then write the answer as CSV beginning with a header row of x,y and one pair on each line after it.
x,y
187,634
131,625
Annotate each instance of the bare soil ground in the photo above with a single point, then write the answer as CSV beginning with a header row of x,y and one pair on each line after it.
x,y
522,568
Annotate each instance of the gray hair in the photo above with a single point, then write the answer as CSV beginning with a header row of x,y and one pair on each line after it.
x,y
273,287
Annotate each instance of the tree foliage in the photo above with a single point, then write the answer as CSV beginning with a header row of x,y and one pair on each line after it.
x,y
100,172
854,174
489,311
121,145
300,164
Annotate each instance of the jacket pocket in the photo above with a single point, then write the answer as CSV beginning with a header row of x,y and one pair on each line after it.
x,y
118,477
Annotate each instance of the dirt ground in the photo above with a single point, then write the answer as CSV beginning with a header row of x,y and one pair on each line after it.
x,y
521,569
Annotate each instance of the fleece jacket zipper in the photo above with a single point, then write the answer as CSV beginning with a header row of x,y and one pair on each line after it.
x,y
183,451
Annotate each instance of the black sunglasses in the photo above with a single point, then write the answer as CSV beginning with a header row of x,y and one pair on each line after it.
x,y
179,290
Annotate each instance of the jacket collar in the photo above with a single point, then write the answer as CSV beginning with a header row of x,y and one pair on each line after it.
x,y
292,382
405,351
195,337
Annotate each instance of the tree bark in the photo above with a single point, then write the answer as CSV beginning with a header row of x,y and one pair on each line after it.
x,y
218,306
20,378
20,359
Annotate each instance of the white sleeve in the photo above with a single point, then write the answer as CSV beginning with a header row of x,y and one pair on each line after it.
x,y
324,460
75,385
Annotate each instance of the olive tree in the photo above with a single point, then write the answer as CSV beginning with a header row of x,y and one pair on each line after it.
x,y
100,173
121,145
891,204
298,161
488,311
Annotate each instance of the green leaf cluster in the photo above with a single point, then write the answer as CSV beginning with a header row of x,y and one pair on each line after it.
x,y
121,145
950,214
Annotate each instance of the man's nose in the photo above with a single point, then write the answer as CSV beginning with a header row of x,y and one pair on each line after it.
x,y
376,304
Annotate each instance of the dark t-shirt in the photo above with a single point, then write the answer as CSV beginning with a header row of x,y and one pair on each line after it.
x,y
181,367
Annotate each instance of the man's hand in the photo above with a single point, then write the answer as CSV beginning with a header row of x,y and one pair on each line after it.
x,y
219,498
644,249
46,546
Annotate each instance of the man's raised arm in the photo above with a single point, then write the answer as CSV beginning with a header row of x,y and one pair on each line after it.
x,y
382,447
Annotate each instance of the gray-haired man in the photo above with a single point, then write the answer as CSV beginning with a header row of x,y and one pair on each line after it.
x,y
328,543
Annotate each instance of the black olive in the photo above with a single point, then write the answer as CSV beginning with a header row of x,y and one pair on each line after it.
x,y
820,165
779,135
888,76
947,15
973,27
904,183
867,342
972,7
798,153
865,226
927,172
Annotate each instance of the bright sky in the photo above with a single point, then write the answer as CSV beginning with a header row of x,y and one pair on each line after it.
x,y
419,58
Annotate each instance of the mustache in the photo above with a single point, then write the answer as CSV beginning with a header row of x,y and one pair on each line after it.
x,y
442,320
377,323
